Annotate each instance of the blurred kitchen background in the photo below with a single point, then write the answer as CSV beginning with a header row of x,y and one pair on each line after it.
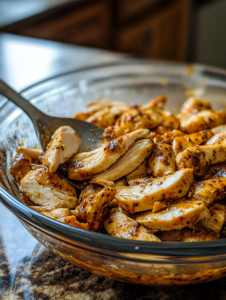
x,y
175,30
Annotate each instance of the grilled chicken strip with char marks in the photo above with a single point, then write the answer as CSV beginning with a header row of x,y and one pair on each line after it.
x,y
178,215
129,122
142,197
162,161
65,142
119,224
128,162
107,116
93,202
206,119
192,106
183,142
214,171
159,102
84,165
200,157
44,188
169,137
209,190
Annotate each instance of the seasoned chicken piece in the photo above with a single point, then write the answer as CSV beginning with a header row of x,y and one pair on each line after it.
x,y
217,218
119,224
128,162
93,202
169,121
209,190
200,157
218,129
199,235
183,142
129,122
162,161
52,211
214,171
178,215
119,184
20,166
84,165
140,181
72,221
94,107
217,138
107,116
139,172
156,138
159,102
143,196
171,235
192,106
44,188
206,119
65,142
168,137
31,152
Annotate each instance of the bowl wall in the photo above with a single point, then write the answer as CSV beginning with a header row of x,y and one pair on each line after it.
x,y
133,82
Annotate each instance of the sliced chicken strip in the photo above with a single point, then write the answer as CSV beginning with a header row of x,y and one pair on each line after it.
x,y
120,225
162,161
20,166
192,106
84,165
183,142
159,102
200,157
65,142
129,122
217,138
198,235
178,215
142,197
94,107
31,152
93,203
46,189
119,184
217,218
72,221
107,116
140,181
169,137
52,211
139,172
209,190
206,119
214,171
218,129
170,236
128,162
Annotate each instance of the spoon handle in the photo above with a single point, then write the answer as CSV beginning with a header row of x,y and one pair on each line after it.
x,y
22,103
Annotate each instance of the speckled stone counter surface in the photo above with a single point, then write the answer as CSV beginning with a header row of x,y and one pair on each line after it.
x,y
28,271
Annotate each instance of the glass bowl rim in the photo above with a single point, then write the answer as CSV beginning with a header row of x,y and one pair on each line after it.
x,y
99,240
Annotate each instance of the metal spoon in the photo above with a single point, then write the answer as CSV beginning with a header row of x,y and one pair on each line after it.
x,y
45,125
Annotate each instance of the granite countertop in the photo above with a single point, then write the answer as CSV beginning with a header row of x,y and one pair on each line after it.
x,y
29,271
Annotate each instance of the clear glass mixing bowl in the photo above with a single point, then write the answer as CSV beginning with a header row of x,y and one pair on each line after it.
x,y
138,262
